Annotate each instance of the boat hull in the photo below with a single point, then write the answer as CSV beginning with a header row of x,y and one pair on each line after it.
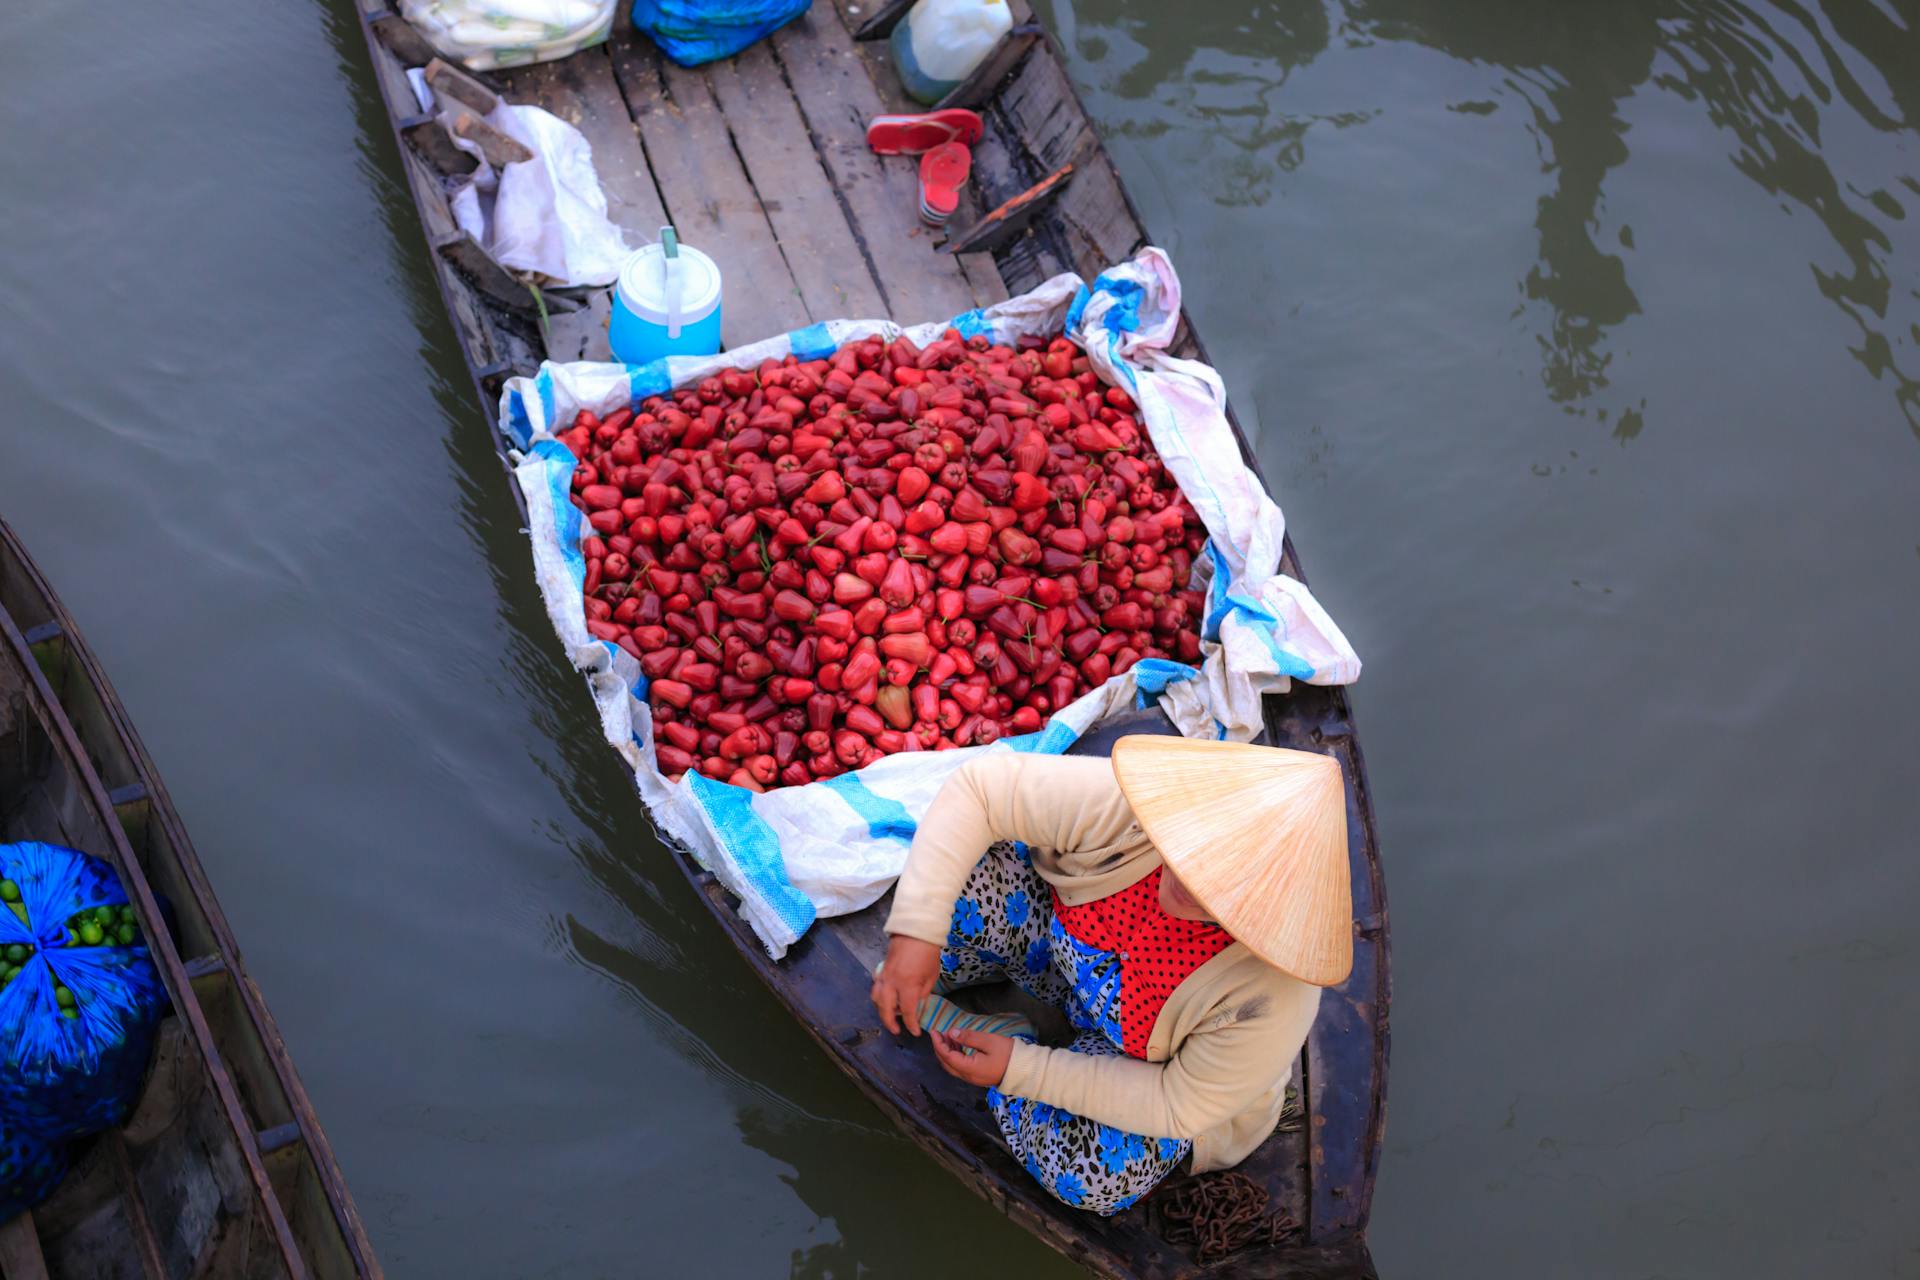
x,y
761,161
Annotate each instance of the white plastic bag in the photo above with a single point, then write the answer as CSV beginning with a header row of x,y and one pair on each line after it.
x,y
549,213
484,34
545,217
796,853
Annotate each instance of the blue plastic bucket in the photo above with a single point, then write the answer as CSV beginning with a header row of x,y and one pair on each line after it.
x,y
665,306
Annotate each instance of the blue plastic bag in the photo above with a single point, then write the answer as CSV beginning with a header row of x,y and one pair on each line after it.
x,y
69,1071
695,31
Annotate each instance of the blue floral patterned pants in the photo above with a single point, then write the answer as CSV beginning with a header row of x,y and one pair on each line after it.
x,y
1004,927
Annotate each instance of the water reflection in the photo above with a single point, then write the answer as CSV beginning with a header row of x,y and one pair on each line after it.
x,y
1769,76
1241,57
1819,107
1572,89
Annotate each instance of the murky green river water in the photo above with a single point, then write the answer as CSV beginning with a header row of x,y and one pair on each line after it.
x,y
1583,343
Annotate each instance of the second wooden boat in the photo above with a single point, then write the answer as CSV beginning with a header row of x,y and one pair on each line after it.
x,y
222,1171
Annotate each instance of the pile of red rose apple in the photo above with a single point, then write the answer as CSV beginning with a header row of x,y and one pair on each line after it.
x,y
821,562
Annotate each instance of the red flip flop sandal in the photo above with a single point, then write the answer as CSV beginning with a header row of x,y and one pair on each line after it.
x,y
943,171
914,135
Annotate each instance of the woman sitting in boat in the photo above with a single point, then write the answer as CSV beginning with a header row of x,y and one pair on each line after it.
x,y
1183,903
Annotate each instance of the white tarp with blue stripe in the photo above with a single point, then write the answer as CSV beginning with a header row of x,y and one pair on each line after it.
x,y
798,853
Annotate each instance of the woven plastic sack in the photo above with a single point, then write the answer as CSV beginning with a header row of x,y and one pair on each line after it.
x,y
830,847
484,34
64,1077
695,31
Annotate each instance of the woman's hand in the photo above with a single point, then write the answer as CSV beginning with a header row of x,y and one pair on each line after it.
x,y
907,978
986,1066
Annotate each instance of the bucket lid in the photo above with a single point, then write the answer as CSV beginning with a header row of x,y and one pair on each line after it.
x,y
695,273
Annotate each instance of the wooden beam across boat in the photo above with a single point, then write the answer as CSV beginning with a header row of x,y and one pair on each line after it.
x,y
761,161
186,1187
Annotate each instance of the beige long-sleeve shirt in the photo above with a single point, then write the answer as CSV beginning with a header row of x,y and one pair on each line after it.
x,y
1224,1045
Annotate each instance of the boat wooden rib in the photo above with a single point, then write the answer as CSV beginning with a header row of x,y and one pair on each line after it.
x,y
761,161
221,1171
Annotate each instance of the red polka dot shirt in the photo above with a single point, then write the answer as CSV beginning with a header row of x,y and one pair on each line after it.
x,y
1157,951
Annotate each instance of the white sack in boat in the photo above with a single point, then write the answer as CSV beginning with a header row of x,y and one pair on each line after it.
x,y
545,217
484,34
549,213
832,847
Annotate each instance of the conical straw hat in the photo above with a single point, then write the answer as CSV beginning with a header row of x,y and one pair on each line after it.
x,y
1259,836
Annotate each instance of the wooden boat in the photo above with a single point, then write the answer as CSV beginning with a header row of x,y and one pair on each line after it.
x,y
761,160
221,1171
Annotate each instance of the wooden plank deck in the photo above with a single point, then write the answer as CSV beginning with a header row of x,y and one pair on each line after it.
x,y
762,161
882,196
707,192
